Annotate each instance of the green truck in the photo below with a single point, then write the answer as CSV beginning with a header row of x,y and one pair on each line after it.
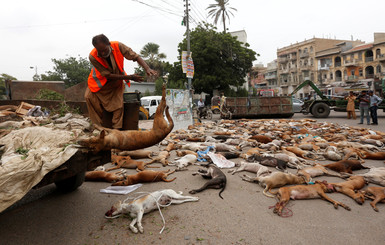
x,y
320,107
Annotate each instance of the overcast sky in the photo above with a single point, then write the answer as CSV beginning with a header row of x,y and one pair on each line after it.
x,y
34,32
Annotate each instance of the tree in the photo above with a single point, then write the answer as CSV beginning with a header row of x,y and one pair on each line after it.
x,y
220,9
220,60
4,77
71,70
150,53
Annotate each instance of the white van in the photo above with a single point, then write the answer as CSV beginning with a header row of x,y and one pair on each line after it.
x,y
150,103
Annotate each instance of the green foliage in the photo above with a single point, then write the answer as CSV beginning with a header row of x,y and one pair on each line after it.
x,y
71,70
47,94
150,53
220,10
24,152
158,86
147,93
64,108
3,78
220,60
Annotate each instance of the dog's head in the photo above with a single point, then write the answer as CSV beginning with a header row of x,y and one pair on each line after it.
x,y
326,186
95,143
117,209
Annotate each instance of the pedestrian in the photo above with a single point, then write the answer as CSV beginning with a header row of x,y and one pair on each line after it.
x,y
105,82
364,100
350,107
374,102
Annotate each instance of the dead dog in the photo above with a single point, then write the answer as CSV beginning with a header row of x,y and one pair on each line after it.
x,y
268,161
217,179
146,204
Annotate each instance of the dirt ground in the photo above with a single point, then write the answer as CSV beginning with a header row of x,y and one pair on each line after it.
x,y
244,216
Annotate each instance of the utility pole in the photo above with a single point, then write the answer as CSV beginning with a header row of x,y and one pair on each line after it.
x,y
188,52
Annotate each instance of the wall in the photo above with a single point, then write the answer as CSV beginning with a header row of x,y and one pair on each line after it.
x,y
23,90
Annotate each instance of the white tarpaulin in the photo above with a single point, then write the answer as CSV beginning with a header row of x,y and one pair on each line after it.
x,y
42,150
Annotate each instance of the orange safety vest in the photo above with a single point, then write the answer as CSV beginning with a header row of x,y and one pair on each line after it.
x,y
95,80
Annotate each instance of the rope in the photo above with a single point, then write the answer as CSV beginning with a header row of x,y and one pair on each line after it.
x,y
157,204
286,212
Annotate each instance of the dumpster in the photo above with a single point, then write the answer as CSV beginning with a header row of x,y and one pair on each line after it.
x,y
258,107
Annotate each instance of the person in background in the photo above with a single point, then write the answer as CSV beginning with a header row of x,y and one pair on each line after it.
x,y
350,108
364,100
105,82
374,102
201,105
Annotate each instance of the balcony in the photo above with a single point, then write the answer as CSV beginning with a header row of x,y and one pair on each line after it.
x,y
305,67
283,59
323,68
284,71
369,59
351,78
381,57
337,64
270,76
351,62
369,76
293,57
304,55
293,68
338,79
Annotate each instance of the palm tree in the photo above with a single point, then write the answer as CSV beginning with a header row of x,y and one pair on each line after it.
x,y
220,9
150,52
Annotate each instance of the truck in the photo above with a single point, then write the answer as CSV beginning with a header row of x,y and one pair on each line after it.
x,y
321,107
258,107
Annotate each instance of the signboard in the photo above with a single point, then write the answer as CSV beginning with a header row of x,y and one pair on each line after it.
x,y
187,64
179,107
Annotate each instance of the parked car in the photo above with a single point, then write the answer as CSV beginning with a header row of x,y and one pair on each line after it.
x,y
150,103
297,105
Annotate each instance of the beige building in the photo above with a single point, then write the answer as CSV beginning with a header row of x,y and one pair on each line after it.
x,y
331,64
297,63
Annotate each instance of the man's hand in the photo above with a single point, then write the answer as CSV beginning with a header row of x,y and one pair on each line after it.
x,y
151,72
135,77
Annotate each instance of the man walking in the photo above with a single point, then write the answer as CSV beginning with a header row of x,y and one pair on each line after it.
x,y
374,102
364,100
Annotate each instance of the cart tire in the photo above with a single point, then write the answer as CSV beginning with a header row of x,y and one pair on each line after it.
x,y
320,110
72,183
142,116
216,111
209,115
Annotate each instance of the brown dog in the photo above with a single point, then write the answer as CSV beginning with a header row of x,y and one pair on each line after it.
x,y
133,139
314,171
146,176
101,175
300,192
137,154
127,162
372,155
162,158
345,166
349,188
377,194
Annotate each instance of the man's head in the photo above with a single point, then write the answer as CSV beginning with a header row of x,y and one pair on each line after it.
x,y
371,92
200,99
102,45
351,93
363,92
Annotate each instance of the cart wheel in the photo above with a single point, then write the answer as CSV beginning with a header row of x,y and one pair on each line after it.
x,y
72,183
209,115
320,110
216,111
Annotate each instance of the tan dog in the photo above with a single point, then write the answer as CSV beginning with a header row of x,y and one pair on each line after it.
x,y
316,170
253,167
133,139
127,162
350,188
274,180
377,194
137,154
101,175
162,158
372,155
301,153
146,176
299,192
182,153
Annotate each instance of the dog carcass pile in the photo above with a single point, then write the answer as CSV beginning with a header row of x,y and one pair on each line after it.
x,y
287,154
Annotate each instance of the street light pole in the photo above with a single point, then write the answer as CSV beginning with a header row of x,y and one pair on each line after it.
x,y
188,52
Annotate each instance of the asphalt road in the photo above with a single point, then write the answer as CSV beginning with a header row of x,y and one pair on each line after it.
x,y
46,216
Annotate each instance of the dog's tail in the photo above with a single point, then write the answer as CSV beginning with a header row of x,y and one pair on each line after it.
x,y
223,188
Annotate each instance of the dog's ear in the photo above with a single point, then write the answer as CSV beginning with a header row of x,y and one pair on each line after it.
x,y
102,134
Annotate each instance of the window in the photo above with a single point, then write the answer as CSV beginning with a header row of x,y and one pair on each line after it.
x,y
378,69
331,75
352,72
311,49
360,72
360,56
153,102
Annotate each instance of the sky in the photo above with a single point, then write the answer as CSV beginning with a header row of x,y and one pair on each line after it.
x,y
34,32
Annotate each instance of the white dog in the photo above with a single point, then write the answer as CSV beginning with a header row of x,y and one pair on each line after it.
x,y
253,167
184,161
146,204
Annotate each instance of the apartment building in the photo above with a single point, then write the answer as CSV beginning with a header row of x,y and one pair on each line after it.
x,y
297,63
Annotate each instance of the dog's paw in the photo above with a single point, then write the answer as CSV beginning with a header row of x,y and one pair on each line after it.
x,y
141,229
133,229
